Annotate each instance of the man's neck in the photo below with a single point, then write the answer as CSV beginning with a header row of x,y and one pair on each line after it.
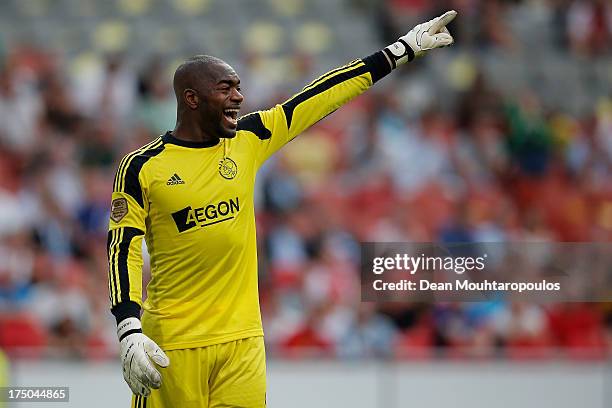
x,y
191,133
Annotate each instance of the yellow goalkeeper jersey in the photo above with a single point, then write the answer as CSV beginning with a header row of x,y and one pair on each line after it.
x,y
193,204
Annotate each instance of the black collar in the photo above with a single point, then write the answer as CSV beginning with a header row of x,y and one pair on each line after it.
x,y
168,138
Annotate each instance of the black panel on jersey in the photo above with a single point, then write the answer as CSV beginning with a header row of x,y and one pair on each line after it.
x,y
253,123
124,310
132,184
124,249
291,104
168,138
109,243
378,65
120,176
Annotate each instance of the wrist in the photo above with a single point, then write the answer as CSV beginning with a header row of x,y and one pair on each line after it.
x,y
128,326
399,53
126,309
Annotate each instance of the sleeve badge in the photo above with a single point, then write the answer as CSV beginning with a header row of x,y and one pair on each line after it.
x,y
119,208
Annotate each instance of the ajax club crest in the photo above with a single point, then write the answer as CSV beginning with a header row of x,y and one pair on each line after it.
x,y
228,168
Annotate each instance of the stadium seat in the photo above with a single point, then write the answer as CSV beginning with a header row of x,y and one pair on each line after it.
x,y
22,335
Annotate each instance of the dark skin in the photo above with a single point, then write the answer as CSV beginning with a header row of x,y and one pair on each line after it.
x,y
208,97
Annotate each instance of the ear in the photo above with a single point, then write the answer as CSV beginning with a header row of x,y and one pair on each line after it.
x,y
191,98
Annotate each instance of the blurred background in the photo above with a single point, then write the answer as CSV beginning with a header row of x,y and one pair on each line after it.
x,y
506,136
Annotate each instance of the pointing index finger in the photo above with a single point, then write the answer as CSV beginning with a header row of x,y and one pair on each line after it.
x,y
442,21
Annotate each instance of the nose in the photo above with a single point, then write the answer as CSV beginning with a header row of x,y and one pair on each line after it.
x,y
236,96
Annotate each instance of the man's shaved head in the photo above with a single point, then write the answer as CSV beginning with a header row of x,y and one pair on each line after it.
x,y
195,73
208,95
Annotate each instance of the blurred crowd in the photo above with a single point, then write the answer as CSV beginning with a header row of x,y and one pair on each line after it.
x,y
467,165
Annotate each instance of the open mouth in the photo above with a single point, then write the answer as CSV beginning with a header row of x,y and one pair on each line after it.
x,y
231,116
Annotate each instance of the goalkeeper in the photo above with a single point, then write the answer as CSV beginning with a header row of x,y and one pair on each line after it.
x,y
189,194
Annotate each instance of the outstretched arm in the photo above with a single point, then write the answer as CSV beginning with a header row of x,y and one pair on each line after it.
x,y
277,126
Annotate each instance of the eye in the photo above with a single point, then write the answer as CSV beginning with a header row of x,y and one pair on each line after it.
x,y
239,89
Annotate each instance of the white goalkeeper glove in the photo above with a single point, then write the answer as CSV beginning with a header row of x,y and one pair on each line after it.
x,y
137,352
425,36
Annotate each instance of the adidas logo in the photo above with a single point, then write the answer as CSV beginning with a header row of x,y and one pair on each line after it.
x,y
174,180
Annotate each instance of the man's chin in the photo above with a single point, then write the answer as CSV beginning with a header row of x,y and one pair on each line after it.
x,y
228,133
228,128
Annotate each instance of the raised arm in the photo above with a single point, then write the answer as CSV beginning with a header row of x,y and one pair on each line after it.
x,y
277,126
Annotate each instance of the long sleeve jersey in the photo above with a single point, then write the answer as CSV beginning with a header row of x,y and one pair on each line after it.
x,y
193,204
